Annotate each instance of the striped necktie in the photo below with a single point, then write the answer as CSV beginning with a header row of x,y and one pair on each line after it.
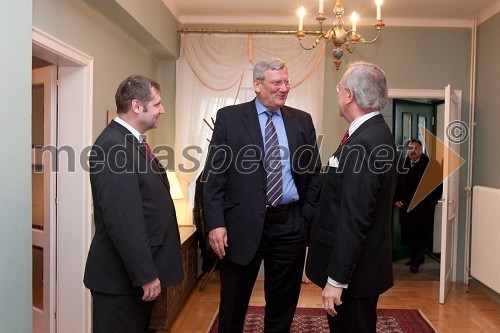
x,y
272,162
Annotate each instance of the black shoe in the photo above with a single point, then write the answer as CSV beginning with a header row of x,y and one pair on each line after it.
x,y
414,269
419,261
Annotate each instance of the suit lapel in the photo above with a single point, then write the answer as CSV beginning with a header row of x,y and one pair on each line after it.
x,y
252,125
251,121
291,129
133,140
373,120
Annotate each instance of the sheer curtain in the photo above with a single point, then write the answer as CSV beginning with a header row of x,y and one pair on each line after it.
x,y
214,71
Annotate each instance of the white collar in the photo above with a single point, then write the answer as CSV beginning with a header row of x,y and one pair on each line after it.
x,y
132,130
360,120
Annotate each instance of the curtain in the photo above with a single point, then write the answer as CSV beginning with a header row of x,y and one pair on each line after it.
x,y
214,71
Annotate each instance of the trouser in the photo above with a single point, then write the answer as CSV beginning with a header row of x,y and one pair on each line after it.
x,y
282,248
120,313
355,315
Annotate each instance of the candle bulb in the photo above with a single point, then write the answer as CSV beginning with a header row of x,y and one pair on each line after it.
x,y
321,7
302,13
354,20
379,9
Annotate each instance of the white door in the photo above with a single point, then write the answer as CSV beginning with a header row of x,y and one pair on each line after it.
x,y
451,163
43,197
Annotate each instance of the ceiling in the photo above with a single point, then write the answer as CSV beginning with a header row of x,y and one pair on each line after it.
x,y
432,13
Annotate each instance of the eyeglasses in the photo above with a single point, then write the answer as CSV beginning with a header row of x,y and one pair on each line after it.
x,y
338,87
279,83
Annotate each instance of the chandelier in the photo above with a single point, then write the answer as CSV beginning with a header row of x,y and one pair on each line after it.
x,y
338,35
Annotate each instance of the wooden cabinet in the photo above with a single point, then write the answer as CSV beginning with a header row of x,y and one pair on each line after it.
x,y
169,303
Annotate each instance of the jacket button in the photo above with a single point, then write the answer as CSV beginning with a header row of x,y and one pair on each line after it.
x,y
261,214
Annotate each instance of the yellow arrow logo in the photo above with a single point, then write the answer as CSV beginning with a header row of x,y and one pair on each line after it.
x,y
443,162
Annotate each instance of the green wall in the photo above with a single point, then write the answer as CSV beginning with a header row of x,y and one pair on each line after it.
x,y
427,58
487,115
111,32
15,169
413,58
116,53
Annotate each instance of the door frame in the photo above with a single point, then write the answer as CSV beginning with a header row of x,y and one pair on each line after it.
x,y
434,94
74,201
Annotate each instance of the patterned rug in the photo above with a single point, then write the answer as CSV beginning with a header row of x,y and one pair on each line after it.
x,y
314,320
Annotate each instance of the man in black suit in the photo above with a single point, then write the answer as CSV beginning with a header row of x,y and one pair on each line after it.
x,y
135,251
350,249
257,205
416,224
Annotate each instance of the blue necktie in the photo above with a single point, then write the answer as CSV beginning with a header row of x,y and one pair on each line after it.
x,y
272,162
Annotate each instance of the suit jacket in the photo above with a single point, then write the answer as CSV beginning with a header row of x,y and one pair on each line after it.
x,y
136,234
409,179
235,188
351,235
420,220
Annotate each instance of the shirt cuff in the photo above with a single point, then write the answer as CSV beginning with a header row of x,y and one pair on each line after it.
x,y
336,284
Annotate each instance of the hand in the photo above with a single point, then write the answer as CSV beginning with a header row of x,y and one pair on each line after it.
x,y
151,290
218,241
331,297
399,204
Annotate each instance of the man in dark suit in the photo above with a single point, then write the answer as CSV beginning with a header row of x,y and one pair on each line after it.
x,y
135,251
257,204
350,249
417,223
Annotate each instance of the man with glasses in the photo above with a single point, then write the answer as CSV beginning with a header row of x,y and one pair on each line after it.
x,y
350,250
262,183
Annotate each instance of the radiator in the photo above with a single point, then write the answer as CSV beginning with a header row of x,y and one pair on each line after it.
x,y
485,236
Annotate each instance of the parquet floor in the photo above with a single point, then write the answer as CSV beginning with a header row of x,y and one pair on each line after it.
x,y
472,312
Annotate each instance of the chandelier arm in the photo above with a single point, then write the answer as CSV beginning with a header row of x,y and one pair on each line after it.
x,y
322,32
348,48
379,30
313,45
326,36
350,45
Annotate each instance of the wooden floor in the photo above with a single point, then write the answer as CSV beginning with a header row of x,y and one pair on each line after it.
x,y
471,312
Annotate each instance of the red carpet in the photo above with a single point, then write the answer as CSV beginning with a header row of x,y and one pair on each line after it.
x,y
314,320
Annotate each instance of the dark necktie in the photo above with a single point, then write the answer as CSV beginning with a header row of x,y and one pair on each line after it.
x,y
346,135
157,167
272,162
151,156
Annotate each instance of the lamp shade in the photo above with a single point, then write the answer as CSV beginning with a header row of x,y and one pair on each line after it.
x,y
175,188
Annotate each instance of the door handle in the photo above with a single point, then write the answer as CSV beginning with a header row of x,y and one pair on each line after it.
x,y
444,200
